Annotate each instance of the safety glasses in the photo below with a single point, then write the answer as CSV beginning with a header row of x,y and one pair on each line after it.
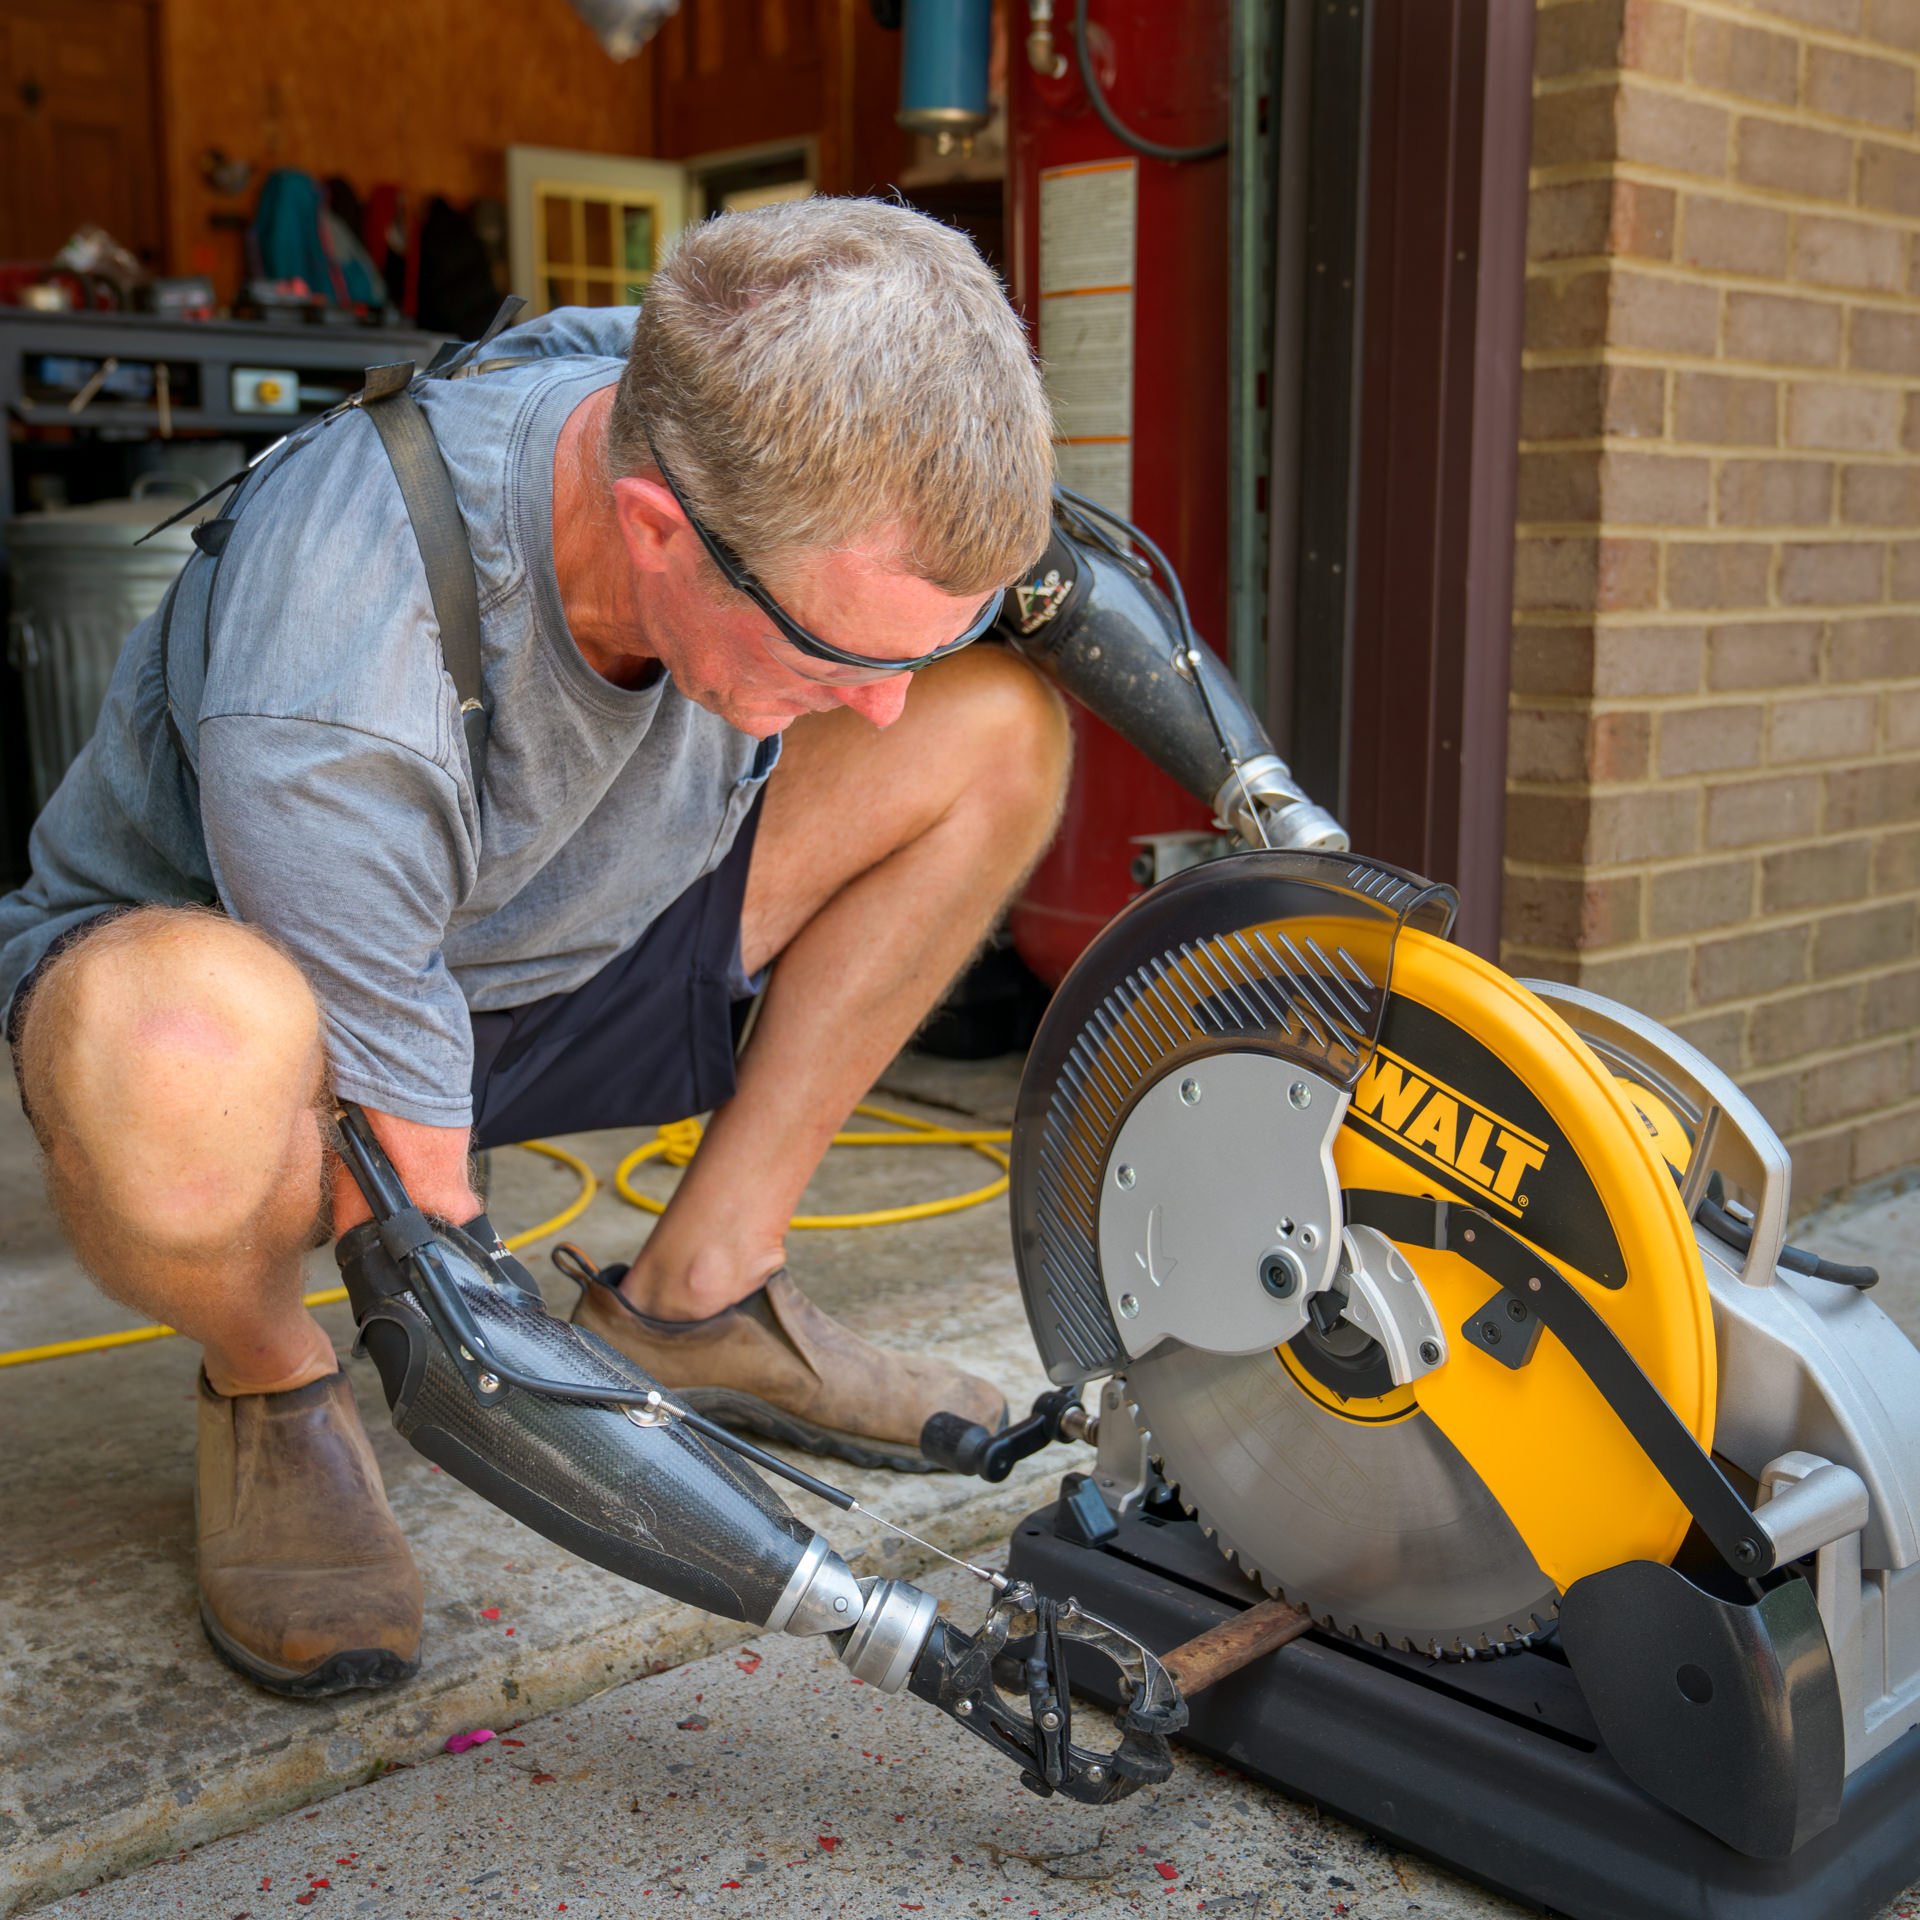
x,y
836,665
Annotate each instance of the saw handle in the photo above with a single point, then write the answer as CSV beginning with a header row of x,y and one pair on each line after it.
x,y
964,1446
1223,1650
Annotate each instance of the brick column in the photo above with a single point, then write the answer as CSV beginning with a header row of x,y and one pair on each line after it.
x,y
1714,798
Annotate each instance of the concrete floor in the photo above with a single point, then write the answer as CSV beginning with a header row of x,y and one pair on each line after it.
x,y
765,1779
121,1737
788,1787
134,1765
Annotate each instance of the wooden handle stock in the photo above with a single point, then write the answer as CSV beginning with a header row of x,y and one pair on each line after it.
x,y
1233,1644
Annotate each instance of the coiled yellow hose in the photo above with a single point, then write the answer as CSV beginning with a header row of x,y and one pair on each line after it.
x,y
675,1144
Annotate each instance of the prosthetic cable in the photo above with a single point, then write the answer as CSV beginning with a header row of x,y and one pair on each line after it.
x,y
1187,661
406,1232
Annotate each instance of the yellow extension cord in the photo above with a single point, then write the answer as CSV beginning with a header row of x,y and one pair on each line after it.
x,y
675,1144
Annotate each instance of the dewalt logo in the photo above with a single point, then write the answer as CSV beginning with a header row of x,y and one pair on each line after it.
x,y
1412,1110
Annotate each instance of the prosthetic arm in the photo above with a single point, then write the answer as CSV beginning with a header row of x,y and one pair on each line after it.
x,y
1091,618
551,1425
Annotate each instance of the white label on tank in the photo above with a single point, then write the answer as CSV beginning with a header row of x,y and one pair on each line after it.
x,y
1088,226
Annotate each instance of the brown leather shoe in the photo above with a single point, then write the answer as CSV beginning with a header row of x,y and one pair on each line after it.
x,y
777,1366
306,1582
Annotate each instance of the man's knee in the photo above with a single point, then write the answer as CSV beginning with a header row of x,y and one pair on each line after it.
x,y
1017,724
171,1062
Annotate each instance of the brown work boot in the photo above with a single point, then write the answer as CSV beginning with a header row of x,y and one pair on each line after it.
x,y
306,1582
776,1365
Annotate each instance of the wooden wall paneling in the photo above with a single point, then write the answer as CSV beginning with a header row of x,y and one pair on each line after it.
x,y
78,135
710,37
776,27
880,149
430,102
839,96
740,73
737,73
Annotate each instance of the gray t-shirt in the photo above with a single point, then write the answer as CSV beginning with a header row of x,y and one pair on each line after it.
x,y
334,806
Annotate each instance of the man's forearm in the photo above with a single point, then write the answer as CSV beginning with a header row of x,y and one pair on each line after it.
x,y
432,1161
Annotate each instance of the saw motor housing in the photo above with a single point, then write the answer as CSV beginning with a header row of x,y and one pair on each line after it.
x,y
1390,1265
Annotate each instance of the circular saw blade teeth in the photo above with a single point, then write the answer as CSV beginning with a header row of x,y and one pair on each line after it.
x,y
1408,1528
1274,1588
1483,1645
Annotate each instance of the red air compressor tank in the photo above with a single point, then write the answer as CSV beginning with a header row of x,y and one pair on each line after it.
x,y
1120,267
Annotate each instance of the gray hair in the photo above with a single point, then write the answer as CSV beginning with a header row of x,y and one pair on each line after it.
x,y
825,371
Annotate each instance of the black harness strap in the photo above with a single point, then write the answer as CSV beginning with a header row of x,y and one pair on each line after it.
x,y
427,489
166,667
438,529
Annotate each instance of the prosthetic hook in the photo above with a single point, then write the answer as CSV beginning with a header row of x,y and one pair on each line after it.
x,y
1090,617
553,1426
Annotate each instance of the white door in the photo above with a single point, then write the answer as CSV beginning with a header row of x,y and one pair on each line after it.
x,y
587,229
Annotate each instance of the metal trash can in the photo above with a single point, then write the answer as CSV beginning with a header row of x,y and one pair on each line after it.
x,y
80,586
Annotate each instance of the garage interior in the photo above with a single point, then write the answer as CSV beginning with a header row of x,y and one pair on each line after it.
x,y
1326,402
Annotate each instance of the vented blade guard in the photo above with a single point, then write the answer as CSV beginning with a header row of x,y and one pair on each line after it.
x,y
1283,953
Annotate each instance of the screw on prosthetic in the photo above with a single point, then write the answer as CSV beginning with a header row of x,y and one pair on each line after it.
x,y
533,1415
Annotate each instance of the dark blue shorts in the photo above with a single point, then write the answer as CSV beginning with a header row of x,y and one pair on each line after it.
x,y
650,1038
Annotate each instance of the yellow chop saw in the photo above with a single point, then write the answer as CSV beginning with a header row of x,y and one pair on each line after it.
x,y
1457,1311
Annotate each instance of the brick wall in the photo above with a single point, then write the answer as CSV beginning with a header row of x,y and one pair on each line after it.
x,y
1714,807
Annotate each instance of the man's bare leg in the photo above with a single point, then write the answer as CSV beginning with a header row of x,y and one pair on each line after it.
x,y
882,860
172,1064
171,1061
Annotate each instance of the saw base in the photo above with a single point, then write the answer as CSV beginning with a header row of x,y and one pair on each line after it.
x,y
1492,1768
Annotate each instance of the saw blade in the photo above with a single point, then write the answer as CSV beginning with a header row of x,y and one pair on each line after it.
x,y
1380,1529
1449,1515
